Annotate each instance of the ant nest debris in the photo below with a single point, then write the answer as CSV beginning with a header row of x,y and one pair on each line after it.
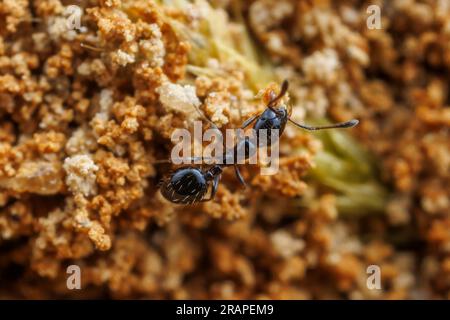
x,y
85,115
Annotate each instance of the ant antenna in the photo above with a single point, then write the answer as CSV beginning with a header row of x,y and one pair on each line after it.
x,y
32,19
88,46
283,90
161,161
205,117
347,124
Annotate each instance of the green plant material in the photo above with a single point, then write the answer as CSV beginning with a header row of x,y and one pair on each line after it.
x,y
214,38
345,167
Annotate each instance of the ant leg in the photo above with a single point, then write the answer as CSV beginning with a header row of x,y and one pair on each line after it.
x,y
239,176
202,115
161,161
88,46
186,159
196,158
248,122
240,114
215,186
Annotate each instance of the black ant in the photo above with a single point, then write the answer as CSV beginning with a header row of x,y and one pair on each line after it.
x,y
188,185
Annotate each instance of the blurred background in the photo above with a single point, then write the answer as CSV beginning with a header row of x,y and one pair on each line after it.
x,y
90,92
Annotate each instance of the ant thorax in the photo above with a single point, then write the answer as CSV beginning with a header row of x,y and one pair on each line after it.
x,y
272,119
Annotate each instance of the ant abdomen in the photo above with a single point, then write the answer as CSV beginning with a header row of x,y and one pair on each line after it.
x,y
185,186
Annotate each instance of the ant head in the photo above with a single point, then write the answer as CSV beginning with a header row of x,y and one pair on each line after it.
x,y
275,98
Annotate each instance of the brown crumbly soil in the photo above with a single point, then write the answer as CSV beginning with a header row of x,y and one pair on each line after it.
x,y
85,114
